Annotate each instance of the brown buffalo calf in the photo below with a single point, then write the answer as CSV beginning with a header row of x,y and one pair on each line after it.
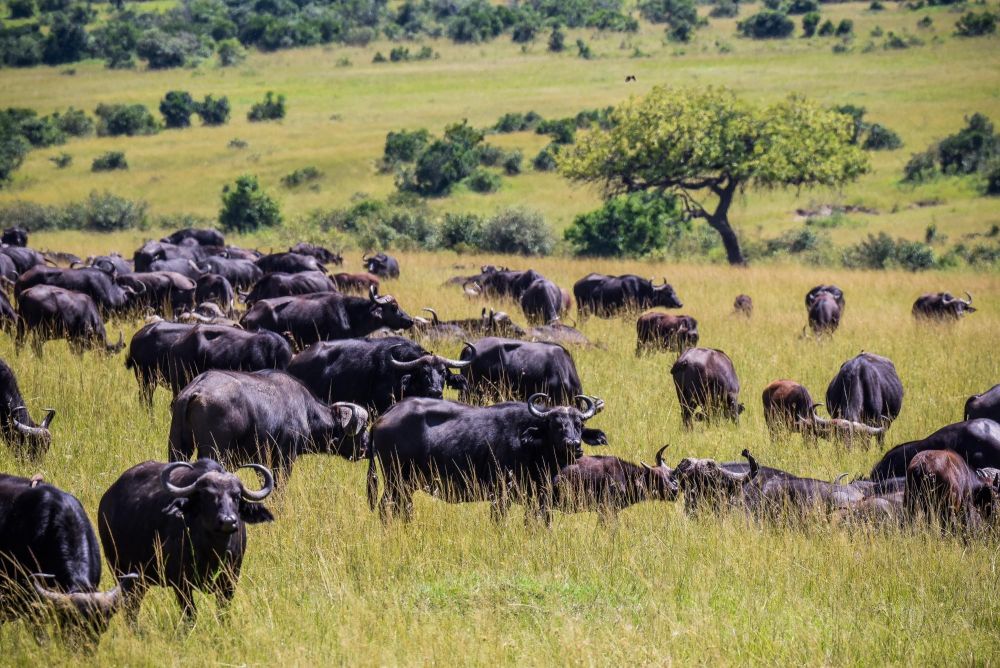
x,y
940,484
359,283
661,331
787,405
743,305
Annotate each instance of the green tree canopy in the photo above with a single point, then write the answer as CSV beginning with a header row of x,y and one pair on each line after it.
x,y
704,144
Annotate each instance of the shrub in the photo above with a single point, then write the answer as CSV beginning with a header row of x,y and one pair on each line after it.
x,y
238,144
724,9
476,21
67,41
802,6
62,161
75,122
39,131
767,24
271,108
925,22
440,166
490,155
881,138
632,225
975,25
809,23
379,58
882,252
876,6
125,119
920,167
300,176
562,131
230,52
176,108
583,50
13,149
844,28
461,232
680,16
992,172
398,54
403,146
545,161
163,51
109,161
105,212
482,181
557,40
517,231
213,111
827,28
246,208
21,9
970,148
512,163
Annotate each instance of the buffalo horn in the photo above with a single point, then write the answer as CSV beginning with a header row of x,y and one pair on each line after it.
x,y
411,364
754,468
659,455
264,491
170,487
105,603
969,302
591,403
47,420
434,315
532,408
30,431
837,480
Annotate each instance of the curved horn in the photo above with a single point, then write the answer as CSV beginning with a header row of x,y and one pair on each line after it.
x,y
837,480
47,420
969,302
434,315
264,491
659,455
407,366
533,409
754,468
170,487
591,403
105,603
36,432
372,293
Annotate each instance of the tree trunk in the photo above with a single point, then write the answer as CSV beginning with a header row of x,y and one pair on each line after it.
x,y
719,221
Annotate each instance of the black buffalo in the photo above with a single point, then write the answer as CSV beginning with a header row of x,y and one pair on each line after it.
x,y
519,369
241,273
824,314
204,237
47,313
160,290
489,322
788,406
357,283
270,416
8,315
985,405
867,389
214,289
466,453
501,282
272,286
942,306
382,265
707,385
662,331
542,302
14,236
157,251
605,296
49,553
743,305
16,424
181,526
113,264
100,286
288,263
324,255
374,372
977,441
207,347
832,290
558,332
609,484
23,258
181,266
149,355
326,316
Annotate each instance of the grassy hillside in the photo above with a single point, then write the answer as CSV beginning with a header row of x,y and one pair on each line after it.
x,y
328,584
339,115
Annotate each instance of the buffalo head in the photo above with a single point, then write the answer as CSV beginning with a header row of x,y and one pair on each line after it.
x,y
707,481
217,502
561,427
665,295
660,478
387,310
427,375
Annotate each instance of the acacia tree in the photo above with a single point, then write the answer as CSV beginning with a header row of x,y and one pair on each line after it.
x,y
706,144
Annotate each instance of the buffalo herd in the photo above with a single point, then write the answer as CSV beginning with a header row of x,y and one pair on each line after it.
x,y
269,357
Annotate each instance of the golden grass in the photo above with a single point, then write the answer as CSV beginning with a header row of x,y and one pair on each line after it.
x,y
328,584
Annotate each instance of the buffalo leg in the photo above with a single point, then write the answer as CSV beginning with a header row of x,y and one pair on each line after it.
x,y
185,599
132,603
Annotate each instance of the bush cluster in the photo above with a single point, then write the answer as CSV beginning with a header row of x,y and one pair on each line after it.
x,y
100,212
767,24
975,149
976,25
884,252
125,119
109,161
629,225
871,136
246,207
271,108
301,176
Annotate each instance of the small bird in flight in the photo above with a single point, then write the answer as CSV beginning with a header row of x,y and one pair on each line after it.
x,y
629,77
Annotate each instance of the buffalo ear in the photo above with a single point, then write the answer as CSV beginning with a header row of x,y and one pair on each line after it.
x,y
177,508
376,311
255,513
529,435
594,437
457,381
404,383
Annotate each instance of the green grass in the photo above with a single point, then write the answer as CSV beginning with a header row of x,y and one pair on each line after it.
x,y
327,584
338,116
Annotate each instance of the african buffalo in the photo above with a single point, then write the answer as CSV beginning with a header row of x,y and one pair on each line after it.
x,y
605,296
326,316
241,273
14,236
502,283
976,441
489,322
157,251
706,385
705,483
272,286
160,290
206,347
743,305
356,283
832,290
867,389
519,369
238,417
789,407
661,331
23,258
49,554
8,316
374,372
16,425
985,405
324,255
824,314
608,484
49,313
181,526
382,265
541,301
215,289
288,263
941,485
113,264
557,332
101,287
466,453
942,306
182,266
204,237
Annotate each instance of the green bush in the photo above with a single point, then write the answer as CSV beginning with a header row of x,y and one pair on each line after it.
x,y
557,40
271,108
109,161
445,162
724,9
882,252
827,28
992,173
105,212
482,181
976,25
562,130
844,28
517,231
403,146
246,208
21,9
512,163
881,138
627,225
230,52
163,51
62,161
461,232
920,167
545,161
100,212
13,149
809,23
176,108
583,50
213,111
969,149
680,16
802,6
75,122
767,24
125,119
300,176
490,155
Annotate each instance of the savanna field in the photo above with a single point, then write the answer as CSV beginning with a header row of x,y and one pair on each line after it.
x,y
328,584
